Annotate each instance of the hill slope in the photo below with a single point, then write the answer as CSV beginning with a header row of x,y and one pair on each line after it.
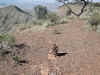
x,y
12,15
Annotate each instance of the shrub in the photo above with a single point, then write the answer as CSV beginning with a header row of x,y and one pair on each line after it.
x,y
40,11
6,40
68,12
17,59
53,17
94,19
97,4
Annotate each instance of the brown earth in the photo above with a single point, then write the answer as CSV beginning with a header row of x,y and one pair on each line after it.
x,y
83,48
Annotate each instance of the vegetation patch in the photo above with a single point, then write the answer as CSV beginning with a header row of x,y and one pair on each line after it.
x,y
6,38
6,43
94,20
40,11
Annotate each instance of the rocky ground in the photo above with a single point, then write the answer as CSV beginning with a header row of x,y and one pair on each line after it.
x,y
82,48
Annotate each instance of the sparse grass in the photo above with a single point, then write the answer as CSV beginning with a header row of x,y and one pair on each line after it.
x,y
51,19
39,21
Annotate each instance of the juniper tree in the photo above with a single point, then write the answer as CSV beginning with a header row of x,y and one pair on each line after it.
x,y
41,11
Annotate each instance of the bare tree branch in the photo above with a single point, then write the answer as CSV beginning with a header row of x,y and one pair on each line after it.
x,y
84,2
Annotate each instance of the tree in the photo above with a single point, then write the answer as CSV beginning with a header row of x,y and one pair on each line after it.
x,y
83,2
41,11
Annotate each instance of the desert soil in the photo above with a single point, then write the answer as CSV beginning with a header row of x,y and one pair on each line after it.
x,y
83,48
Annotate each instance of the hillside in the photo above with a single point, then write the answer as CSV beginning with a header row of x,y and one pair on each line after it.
x,y
11,15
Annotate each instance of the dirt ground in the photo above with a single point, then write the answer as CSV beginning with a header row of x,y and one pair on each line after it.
x,y
83,48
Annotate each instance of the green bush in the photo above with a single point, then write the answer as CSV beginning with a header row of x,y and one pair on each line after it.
x,y
17,59
9,39
94,19
40,11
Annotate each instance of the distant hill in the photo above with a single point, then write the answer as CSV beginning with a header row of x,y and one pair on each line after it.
x,y
11,15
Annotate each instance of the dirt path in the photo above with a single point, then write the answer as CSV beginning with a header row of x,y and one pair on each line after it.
x,y
83,48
